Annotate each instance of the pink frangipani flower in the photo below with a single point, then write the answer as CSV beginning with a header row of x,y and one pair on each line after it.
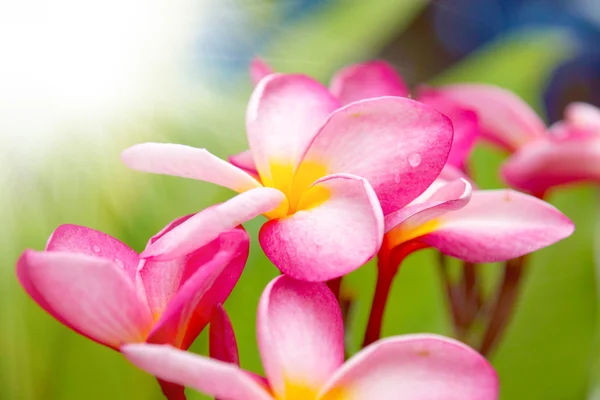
x,y
379,79
300,337
569,153
541,158
337,172
100,288
477,226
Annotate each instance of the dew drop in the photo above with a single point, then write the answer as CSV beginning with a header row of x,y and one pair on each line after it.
x,y
119,263
96,249
414,160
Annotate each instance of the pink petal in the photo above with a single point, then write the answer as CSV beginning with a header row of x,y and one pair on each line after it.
x,y
259,69
300,334
212,377
466,129
187,162
209,277
498,225
328,239
416,220
584,115
504,118
415,367
245,161
542,165
208,224
284,114
91,295
398,145
82,240
366,81
223,345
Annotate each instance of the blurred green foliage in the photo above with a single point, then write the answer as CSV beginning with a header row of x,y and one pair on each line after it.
x,y
549,345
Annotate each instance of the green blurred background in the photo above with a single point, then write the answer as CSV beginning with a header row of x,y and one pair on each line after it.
x,y
60,164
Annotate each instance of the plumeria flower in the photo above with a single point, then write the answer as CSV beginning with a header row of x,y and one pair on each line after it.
x,y
569,153
477,226
541,158
300,337
377,78
337,169
101,289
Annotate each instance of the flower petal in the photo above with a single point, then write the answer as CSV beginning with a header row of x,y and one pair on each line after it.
x,y
498,225
583,115
212,377
82,240
415,367
245,161
300,335
92,295
222,342
259,69
339,227
284,114
542,165
504,118
466,129
416,220
208,224
367,80
212,273
398,145
187,162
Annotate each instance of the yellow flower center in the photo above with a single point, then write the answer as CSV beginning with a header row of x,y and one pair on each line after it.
x,y
294,185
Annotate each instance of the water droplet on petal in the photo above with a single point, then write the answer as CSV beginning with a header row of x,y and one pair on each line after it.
x,y
96,249
119,263
414,160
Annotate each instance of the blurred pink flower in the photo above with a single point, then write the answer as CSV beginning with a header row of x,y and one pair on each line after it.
x,y
541,158
300,336
323,174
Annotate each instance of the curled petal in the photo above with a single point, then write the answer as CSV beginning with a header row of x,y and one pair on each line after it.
x,y
415,367
222,342
212,377
542,165
284,114
365,81
259,69
504,118
420,219
212,273
89,294
497,225
187,162
208,224
337,228
398,145
300,335
82,240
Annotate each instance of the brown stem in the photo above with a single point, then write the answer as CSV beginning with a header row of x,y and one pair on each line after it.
x,y
470,286
506,298
455,298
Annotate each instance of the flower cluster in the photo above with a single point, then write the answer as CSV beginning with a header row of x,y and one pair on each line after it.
x,y
342,174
